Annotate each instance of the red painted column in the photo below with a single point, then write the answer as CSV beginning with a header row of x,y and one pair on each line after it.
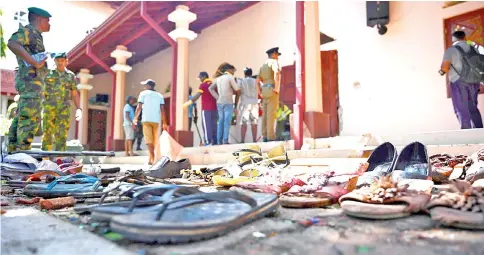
x,y
299,108
174,62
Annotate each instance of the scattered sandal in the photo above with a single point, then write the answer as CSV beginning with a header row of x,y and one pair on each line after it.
x,y
460,207
384,200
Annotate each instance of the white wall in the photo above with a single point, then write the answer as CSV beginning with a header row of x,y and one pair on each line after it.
x,y
69,23
401,91
240,40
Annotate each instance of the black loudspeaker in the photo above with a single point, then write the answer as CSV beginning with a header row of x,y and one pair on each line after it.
x,y
377,13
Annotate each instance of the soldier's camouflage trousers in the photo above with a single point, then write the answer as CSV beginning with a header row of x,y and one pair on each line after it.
x,y
55,124
26,124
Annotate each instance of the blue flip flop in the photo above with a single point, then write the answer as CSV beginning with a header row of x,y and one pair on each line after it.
x,y
59,188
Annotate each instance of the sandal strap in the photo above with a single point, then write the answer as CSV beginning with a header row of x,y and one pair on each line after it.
x,y
79,177
222,197
236,153
139,191
118,187
41,173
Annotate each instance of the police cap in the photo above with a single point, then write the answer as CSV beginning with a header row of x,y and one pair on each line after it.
x,y
273,50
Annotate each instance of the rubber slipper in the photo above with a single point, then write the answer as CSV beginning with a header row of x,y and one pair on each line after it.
x,y
136,205
195,217
462,206
63,170
385,201
59,188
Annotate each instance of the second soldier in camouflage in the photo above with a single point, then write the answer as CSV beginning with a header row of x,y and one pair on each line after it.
x,y
60,88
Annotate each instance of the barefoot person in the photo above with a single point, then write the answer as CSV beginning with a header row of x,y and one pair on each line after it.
x,y
153,114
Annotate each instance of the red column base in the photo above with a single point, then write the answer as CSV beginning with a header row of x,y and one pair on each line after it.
x,y
317,123
118,145
185,138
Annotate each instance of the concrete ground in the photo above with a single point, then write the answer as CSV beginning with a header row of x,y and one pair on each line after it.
x,y
26,230
33,232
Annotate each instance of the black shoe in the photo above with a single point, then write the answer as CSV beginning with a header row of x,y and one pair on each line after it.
x,y
165,168
380,163
412,163
139,149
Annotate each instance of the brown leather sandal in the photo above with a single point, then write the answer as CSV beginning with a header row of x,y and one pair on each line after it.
x,y
462,206
384,200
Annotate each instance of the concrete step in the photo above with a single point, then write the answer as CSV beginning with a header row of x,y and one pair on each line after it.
x,y
445,137
300,157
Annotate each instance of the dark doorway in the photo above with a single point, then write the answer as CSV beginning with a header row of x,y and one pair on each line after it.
x,y
96,135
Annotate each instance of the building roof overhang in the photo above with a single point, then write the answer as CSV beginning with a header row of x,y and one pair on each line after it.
x,y
126,27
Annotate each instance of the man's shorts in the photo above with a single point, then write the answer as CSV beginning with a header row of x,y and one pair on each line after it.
x,y
129,132
249,113
150,132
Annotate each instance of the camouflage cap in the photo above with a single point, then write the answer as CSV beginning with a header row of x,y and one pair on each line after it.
x,y
60,55
40,12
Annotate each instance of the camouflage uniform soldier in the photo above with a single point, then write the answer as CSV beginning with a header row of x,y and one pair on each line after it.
x,y
60,87
26,44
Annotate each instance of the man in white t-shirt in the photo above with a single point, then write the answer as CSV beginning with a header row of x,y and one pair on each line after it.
x,y
153,113
248,107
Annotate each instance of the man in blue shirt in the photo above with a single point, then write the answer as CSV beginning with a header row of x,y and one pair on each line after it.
x,y
129,126
192,110
153,113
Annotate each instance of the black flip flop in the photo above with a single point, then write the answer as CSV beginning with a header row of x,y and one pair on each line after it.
x,y
138,204
194,217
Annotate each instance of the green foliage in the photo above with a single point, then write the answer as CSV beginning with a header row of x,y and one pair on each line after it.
x,y
3,44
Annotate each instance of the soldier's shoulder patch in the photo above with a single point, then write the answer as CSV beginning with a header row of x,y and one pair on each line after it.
x,y
49,79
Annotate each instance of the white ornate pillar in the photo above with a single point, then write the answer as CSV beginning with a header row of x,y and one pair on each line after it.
x,y
182,17
84,76
121,54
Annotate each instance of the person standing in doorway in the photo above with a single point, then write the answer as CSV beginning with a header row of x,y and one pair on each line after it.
x,y
152,103
248,107
209,109
60,88
464,80
192,111
225,87
129,125
269,77
28,46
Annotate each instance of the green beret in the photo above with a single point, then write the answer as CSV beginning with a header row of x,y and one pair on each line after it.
x,y
60,55
40,12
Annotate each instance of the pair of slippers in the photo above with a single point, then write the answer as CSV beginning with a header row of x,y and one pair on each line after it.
x,y
172,214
